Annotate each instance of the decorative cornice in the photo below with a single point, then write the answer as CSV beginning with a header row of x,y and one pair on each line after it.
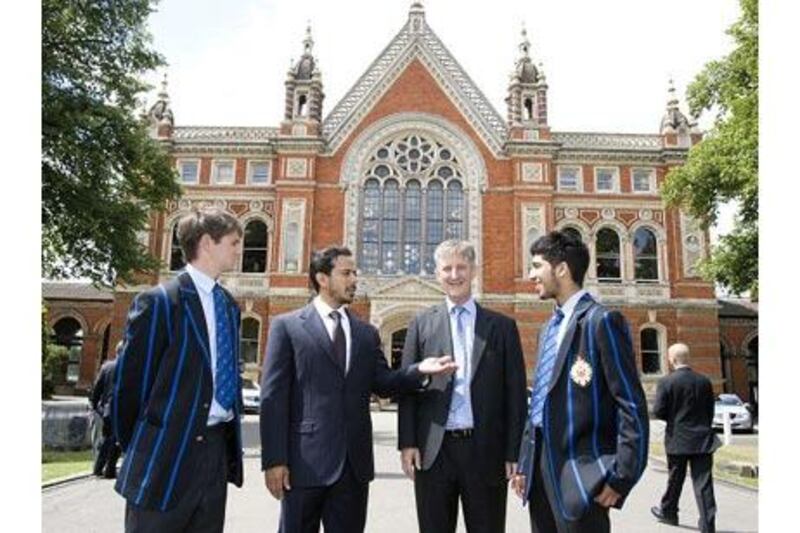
x,y
612,141
224,134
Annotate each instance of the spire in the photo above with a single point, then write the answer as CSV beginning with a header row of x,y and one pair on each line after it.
x,y
416,16
525,45
303,83
527,91
674,120
160,113
308,42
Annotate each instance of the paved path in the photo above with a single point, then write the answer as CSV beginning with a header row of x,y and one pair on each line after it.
x,y
91,505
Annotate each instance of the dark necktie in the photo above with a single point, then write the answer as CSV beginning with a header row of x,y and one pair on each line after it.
x,y
225,382
339,342
544,371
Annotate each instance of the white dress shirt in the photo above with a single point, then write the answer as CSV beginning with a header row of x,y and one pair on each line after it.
x,y
461,418
568,309
324,311
205,288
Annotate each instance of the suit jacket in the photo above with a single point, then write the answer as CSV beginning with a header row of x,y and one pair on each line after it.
x,y
685,399
162,395
595,433
103,389
497,389
313,415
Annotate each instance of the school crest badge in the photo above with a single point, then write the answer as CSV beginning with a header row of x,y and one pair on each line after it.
x,y
581,372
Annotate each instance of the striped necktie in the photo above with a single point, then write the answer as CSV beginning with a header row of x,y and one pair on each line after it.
x,y
544,371
461,379
225,379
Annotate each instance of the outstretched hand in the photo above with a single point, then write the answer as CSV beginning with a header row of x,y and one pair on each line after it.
x,y
438,365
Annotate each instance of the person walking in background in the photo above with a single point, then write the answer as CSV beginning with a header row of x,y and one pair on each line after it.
x,y
685,400
178,393
321,365
108,451
460,438
586,438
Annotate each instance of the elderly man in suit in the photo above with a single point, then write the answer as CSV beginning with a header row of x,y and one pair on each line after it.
x,y
459,439
586,438
321,365
685,400
177,394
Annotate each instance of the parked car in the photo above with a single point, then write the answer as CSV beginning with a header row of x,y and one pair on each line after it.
x,y
732,406
251,395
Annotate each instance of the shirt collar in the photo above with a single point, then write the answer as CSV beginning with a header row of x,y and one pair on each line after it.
x,y
468,306
201,280
324,309
573,300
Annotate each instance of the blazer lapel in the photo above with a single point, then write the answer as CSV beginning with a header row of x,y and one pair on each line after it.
x,y
581,307
483,325
190,296
441,325
316,329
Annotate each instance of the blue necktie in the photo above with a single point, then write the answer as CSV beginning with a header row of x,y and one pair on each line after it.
x,y
225,382
544,372
462,358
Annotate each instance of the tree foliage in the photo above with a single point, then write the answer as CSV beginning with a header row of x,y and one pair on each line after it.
x,y
101,173
724,166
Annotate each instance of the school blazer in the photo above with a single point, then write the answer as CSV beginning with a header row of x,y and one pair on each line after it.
x,y
162,394
598,432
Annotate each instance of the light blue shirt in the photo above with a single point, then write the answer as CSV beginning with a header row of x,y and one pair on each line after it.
x,y
568,309
205,288
460,415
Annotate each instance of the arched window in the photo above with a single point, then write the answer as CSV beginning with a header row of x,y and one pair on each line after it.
x,y
645,255
248,344
573,232
412,199
650,346
67,332
176,261
254,254
608,258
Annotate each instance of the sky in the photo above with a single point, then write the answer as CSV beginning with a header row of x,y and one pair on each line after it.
x,y
607,63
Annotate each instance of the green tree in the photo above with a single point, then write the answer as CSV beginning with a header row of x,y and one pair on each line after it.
x,y
724,166
101,173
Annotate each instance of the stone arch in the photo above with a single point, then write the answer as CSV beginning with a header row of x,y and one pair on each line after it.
x,y
69,313
578,224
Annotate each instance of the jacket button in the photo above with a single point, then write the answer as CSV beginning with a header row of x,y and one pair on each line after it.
x,y
199,438
205,406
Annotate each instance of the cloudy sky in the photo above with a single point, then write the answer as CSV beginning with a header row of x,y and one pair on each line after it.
x,y
607,63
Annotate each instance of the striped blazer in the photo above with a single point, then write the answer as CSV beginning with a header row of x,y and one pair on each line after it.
x,y
594,432
162,394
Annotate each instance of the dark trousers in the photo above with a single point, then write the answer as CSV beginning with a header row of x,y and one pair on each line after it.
x,y
341,507
201,509
108,452
703,487
545,517
452,475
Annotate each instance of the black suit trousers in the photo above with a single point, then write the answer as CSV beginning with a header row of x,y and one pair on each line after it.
x,y
451,475
703,487
202,507
108,452
545,517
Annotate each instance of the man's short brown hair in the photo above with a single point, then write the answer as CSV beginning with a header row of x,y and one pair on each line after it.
x,y
209,220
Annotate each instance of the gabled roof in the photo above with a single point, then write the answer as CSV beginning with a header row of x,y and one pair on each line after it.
x,y
416,40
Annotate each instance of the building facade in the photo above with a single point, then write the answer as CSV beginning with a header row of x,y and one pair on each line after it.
x,y
413,154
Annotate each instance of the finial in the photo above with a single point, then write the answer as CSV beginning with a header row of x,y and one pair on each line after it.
x,y
163,94
525,44
673,100
308,42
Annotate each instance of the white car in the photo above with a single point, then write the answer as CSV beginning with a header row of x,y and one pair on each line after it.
x,y
732,406
251,395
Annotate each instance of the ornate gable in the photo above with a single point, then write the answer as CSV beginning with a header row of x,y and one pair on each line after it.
x,y
416,40
405,288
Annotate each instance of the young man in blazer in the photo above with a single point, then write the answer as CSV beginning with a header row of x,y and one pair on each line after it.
x,y
321,366
685,400
586,438
177,393
459,439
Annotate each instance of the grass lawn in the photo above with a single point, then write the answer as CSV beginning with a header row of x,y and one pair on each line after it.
x,y
56,464
740,453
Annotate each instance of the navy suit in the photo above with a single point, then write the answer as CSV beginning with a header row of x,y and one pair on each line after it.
x,y
315,418
592,434
162,394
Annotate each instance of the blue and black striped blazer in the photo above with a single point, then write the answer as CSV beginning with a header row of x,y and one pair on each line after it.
x,y
594,433
162,394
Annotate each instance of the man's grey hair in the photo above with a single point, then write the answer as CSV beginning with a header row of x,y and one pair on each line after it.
x,y
679,353
465,249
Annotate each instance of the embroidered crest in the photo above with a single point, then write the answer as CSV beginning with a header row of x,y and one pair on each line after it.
x,y
581,372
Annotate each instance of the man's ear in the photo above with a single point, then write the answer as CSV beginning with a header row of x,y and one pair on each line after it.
x,y
319,276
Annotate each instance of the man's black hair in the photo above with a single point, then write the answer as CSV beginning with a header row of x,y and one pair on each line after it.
x,y
322,261
561,246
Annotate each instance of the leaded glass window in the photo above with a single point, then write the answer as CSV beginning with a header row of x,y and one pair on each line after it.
x,y
651,351
254,254
608,256
412,198
645,255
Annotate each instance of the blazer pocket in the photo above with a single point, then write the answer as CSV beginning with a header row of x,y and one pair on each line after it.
x,y
307,426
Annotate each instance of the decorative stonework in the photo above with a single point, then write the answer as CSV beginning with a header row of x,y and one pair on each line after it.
x,y
293,216
532,172
646,214
571,212
224,134
533,227
256,205
590,216
296,167
607,213
617,141
693,244
184,204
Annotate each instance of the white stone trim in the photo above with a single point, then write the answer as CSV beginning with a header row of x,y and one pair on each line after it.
x,y
532,217
293,211
693,245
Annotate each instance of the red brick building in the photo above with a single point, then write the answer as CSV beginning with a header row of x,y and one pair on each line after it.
x,y
414,153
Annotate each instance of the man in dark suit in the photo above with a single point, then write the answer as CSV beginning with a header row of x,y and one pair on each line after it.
x,y
459,439
685,400
177,395
108,451
321,365
586,439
